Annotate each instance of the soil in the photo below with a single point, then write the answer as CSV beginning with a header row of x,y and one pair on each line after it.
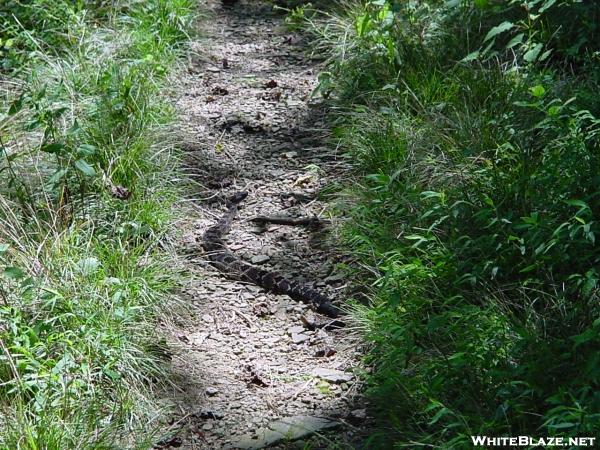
x,y
246,361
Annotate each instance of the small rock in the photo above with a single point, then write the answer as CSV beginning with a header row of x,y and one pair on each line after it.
x,y
171,442
357,416
207,426
218,90
322,335
335,278
296,329
211,391
208,318
325,352
210,414
332,375
260,259
359,413
288,429
261,309
256,380
298,338
309,320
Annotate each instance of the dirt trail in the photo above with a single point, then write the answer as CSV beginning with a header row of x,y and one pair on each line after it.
x,y
246,367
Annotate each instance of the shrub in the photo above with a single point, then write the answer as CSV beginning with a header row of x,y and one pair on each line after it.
x,y
476,147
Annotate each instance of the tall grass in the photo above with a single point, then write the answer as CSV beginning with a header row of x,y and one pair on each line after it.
x,y
476,204
85,199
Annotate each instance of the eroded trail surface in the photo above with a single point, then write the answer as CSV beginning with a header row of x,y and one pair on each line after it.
x,y
249,371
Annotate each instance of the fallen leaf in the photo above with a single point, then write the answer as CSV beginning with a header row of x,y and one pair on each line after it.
x,y
303,179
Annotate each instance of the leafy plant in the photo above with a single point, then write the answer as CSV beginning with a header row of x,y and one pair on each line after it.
x,y
474,210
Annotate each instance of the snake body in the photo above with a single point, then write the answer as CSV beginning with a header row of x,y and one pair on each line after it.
x,y
227,262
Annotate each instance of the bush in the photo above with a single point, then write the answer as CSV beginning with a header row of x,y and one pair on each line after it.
x,y
473,130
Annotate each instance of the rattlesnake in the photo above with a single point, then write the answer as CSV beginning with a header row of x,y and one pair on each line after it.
x,y
225,261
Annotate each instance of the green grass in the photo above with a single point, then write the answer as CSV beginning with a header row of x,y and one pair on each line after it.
x,y
84,273
474,212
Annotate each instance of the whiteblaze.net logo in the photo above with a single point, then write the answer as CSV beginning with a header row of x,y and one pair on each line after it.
x,y
528,441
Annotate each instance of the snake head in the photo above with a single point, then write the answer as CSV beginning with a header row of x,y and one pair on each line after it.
x,y
237,198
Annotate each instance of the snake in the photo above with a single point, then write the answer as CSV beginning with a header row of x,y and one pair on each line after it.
x,y
228,263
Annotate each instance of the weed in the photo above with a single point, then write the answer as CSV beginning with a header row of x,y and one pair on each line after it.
x,y
82,277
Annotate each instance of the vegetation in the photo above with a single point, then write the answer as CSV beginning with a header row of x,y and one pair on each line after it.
x,y
85,196
473,125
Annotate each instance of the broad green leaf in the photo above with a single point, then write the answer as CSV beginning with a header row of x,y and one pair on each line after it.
x,y
503,27
85,168
362,24
547,4
545,55
529,268
16,106
579,203
554,110
86,150
14,273
518,39
4,247
537,91
532,54
52,148
471,56
113,375
563,425
57,176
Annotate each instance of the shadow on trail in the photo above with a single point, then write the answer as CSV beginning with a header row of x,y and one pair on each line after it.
x,y
243,361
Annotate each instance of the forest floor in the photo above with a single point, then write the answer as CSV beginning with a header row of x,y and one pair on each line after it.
x,y
247,371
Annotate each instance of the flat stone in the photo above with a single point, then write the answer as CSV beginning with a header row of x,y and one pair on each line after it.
x,y
359,414
211,391
298,338
295,329
260,259
335,278
332,375
284,430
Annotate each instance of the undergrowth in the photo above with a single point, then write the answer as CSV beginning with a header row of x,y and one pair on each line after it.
x,y
474,129
86,195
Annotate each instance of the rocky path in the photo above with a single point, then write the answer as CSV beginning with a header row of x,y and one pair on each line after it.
x,y
250,373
